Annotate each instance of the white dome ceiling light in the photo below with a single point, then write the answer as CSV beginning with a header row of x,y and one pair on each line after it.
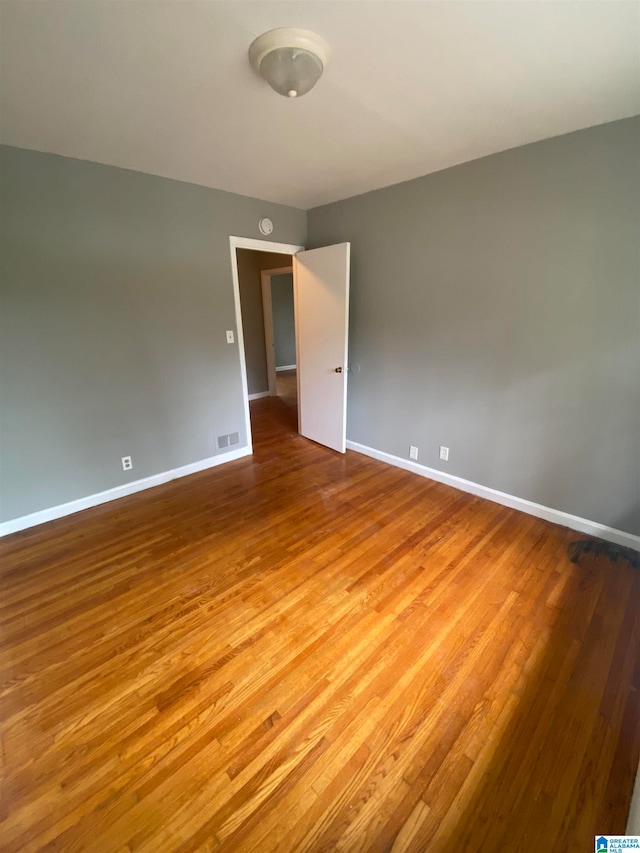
x,y
291,61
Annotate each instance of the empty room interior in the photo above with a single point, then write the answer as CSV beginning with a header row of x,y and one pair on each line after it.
x,y
319,425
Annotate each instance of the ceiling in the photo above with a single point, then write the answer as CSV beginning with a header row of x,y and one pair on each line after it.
x,y
412,87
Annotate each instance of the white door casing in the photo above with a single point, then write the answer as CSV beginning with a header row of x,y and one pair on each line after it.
x,y
321,300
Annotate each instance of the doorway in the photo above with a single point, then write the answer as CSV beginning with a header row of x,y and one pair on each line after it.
x,y
265,281
249,258
280,342
321,301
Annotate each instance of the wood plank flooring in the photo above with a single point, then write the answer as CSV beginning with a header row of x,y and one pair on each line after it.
x,y
302,651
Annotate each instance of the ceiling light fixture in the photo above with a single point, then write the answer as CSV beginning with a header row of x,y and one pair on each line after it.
x,y
291,61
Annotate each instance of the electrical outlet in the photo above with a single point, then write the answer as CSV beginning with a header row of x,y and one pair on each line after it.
x,y
230,337
127,464
413,452
444,453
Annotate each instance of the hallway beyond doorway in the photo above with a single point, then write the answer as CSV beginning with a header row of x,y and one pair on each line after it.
x,y
287,387
276,418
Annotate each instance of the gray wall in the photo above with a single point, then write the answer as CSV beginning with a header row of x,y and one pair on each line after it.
x,y
284,328
495,309
250,264
116,294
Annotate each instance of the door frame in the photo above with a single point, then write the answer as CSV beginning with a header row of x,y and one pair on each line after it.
x,y
258,246
267,311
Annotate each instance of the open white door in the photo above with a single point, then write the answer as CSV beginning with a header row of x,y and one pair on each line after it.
x,y
321,297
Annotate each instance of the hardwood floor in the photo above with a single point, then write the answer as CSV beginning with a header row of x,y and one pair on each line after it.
x,y
305,651
287,388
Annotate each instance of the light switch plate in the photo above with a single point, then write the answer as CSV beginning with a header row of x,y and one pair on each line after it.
x,y
230,337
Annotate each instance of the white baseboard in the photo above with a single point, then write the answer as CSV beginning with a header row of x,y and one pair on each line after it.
x,y
15,524
258,396
286,367
574,522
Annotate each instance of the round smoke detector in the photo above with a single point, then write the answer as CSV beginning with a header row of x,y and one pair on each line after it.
x,y
266,226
